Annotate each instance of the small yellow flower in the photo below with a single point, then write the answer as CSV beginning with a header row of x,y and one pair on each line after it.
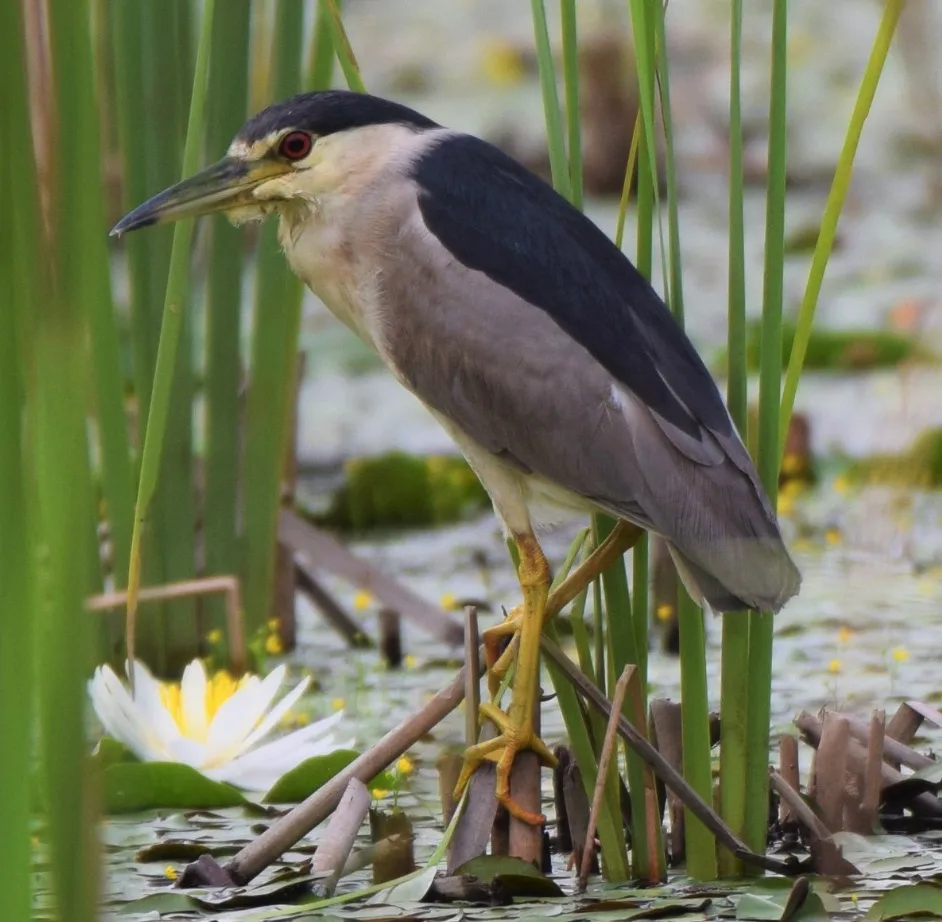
x,y
404,765
841,484
835,666
215,635
273,624
170,872
791,464
448,602
379,793
844,635
409,661
502,64
665,612
337,704
833,536
362,600
900,654
273,645
785,505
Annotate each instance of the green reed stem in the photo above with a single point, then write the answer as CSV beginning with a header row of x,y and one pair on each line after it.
x,y
274,363
58,406
228,90
833,207
770,377
699,842
19,264
555,135
343,49
734,677
321,56
174,309
567,10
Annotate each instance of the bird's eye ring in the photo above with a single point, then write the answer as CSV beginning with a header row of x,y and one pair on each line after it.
x,y
295,145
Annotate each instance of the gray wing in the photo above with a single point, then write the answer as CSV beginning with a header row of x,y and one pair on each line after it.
x,y
506,374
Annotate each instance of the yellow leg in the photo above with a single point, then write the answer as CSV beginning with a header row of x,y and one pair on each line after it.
x,y
621,539
516,725
524,625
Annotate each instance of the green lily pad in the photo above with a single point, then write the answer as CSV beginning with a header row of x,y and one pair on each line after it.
x,y
132,786
110,752
799,904
518,877
303,780
923,900
161,903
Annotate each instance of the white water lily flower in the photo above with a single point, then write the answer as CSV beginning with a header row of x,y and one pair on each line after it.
x,y
214,725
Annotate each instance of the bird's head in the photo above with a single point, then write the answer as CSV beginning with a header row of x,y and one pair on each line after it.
x,y
288,156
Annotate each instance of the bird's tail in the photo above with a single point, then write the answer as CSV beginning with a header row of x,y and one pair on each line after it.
x,y
760,577
706,500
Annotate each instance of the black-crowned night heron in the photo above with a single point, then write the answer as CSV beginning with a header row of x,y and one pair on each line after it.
x,y
543,352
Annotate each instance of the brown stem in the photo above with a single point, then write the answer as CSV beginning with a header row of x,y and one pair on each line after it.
x,y
608,747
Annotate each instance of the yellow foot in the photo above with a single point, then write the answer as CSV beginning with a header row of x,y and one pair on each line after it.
x,y
502,750
499,662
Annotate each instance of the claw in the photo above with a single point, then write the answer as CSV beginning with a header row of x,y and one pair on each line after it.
x,y
502,750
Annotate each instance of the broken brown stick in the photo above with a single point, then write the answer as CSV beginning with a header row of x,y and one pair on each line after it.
x,y
280,836
525,840
335,847
810,727
337,617
830,767
228,586
664,770
797,806
896,752
872,782
667,733
324,552
788,768
598,795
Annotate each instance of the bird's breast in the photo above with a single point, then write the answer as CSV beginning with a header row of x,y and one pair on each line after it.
x,y
324,257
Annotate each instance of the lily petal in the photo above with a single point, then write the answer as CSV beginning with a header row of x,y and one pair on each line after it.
x,y
271,719
259,769
154,715
237,716
119,715
193,701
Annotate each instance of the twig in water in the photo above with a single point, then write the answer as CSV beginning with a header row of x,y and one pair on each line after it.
x,y
333,852
608,747
662,768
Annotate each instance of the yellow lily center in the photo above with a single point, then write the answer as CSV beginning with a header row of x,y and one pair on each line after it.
x,y
220,687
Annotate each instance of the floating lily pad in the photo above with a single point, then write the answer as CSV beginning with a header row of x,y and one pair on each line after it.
x,y
517,877
161,903
132,786
921,900
303,780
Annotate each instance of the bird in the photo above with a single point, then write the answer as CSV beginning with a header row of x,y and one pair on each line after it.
x,y
547,357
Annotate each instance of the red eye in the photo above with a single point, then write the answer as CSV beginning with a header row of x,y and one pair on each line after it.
x,y
296,145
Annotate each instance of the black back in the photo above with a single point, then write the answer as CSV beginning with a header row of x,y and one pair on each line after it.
x,y
327,111
497,217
